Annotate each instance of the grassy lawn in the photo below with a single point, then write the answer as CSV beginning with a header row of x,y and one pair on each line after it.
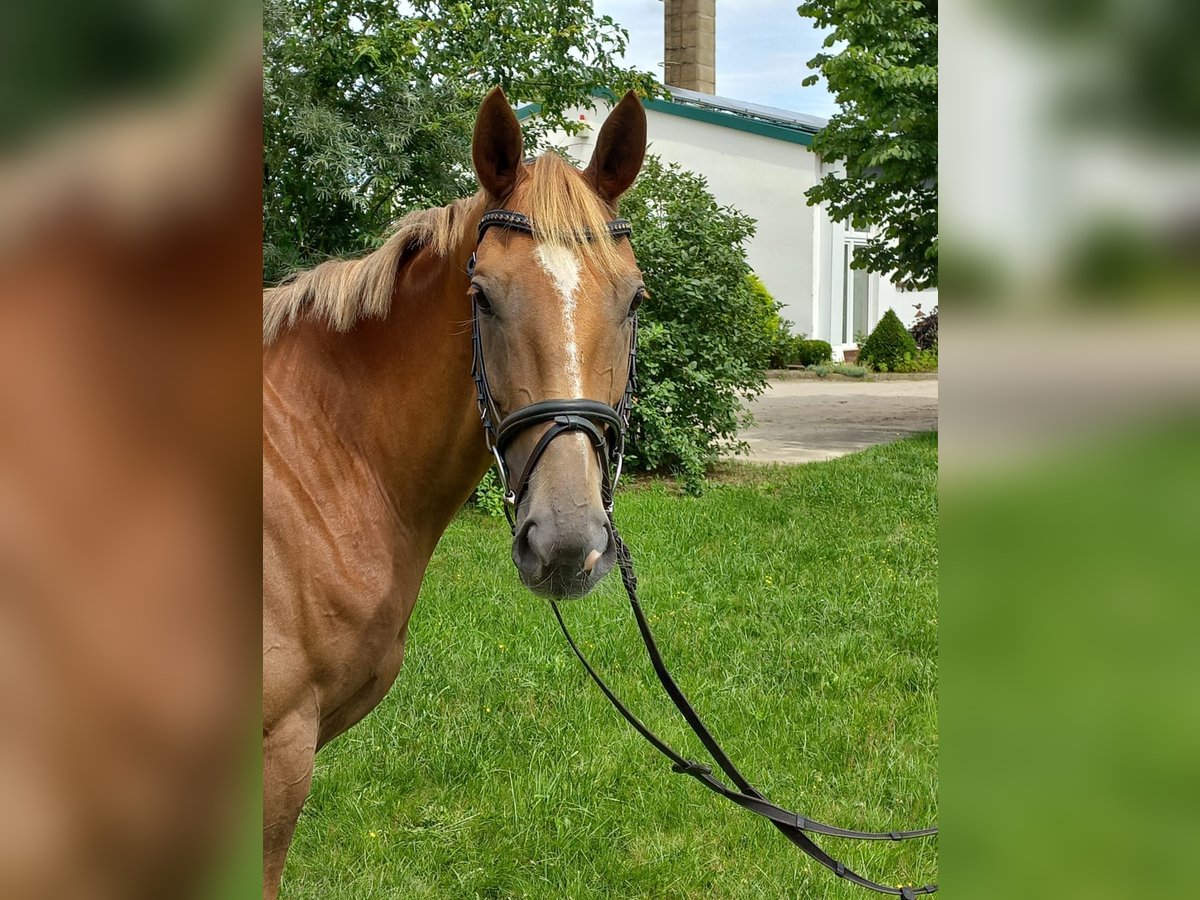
x,y
797,607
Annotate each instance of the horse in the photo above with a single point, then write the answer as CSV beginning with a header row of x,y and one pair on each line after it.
x,y
372,437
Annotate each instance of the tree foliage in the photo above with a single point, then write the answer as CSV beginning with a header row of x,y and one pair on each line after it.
x,y
705,334
368,110
884,78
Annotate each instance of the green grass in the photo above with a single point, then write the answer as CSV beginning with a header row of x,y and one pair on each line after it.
x,y
797,607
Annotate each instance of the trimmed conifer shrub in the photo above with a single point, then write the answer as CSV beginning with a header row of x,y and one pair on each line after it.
x,y
886,346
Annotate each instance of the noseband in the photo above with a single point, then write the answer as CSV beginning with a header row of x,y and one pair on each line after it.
x,y
604,425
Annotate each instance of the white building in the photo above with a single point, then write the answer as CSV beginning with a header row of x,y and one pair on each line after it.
x,y
759,160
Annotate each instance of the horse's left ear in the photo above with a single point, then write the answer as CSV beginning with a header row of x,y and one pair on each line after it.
x,y
620,149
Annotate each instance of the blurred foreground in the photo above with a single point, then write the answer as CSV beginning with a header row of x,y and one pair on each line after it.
x,y
1070,368
129,362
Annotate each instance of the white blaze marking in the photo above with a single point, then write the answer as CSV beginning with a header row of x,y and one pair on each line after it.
x,y
561,264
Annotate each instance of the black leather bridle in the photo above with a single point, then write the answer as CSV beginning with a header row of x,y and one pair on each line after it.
x,y
605,427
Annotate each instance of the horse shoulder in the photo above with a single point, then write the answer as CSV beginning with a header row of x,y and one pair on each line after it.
x,y
339,581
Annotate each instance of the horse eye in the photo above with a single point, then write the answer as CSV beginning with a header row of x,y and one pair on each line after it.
x,y
637,300
482,303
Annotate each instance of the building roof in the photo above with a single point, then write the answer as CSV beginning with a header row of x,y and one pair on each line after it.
x,y
768,121
784,118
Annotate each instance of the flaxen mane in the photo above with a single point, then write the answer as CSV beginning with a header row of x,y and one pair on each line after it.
x,y
342,291
560,203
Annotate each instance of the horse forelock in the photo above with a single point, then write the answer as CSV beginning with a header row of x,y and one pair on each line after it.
x,y
563,207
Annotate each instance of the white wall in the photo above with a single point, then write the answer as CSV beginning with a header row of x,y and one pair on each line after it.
x,y
797,250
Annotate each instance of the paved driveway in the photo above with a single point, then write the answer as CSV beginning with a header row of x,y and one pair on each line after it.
x,y
808,420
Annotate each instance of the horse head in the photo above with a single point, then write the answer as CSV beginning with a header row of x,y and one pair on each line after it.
x,y
555,289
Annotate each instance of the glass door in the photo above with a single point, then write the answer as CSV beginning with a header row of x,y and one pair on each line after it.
x,y
856,293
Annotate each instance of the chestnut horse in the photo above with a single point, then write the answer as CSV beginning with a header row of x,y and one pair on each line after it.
x,y
372,438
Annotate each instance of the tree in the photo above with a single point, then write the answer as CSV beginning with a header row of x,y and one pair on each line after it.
x,y
368,110
885,81
705,336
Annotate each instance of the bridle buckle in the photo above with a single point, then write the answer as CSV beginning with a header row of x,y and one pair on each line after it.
x,y
510,497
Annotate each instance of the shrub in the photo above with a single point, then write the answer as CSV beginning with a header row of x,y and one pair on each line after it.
x,y
925,329
785,350
704,342
788,349
811,353
921,361
887,344
776,329
838,369
489,496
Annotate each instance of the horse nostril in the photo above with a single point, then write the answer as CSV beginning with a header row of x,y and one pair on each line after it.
x,y
592,559
528,553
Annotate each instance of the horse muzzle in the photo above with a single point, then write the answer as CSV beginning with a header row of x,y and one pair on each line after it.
x,y
563,557
562,533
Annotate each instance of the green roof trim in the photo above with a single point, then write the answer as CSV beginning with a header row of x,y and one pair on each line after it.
x,y
729,120
701,114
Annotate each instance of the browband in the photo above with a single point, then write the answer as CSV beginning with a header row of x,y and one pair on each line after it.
x,y
506,218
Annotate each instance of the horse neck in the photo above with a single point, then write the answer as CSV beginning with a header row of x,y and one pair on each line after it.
x,y
397,393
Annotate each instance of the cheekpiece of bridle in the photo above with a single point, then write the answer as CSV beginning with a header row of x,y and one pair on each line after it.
x,y
605,427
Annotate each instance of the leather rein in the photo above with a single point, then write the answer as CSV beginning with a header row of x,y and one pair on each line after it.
x,y
605,427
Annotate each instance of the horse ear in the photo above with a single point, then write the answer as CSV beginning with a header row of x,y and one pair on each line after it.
x,y
497,146
620,149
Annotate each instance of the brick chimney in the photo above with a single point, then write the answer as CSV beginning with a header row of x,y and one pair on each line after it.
x,y
690,35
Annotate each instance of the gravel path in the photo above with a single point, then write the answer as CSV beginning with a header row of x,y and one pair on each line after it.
x,y
809,420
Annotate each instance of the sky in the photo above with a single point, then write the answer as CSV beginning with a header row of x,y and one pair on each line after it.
x,y
762,50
